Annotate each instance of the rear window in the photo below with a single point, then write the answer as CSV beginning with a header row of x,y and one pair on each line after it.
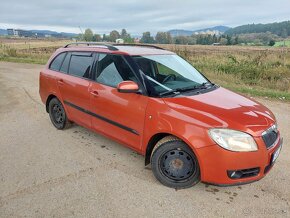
x,y
56,63
80,64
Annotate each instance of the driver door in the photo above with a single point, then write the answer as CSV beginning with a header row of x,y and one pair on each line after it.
x,y
117,115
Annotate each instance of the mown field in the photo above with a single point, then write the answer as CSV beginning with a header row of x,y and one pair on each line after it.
x,y
281,43
255,71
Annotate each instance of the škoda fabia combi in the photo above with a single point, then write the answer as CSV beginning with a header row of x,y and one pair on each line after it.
x,y
157,104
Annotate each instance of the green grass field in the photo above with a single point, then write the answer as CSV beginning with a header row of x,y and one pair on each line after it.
x,y
255,71
281,43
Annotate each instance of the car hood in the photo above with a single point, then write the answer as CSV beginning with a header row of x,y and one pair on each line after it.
x,y
225,109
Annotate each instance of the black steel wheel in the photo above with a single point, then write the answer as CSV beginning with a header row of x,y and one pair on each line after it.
x,y
57,114
175,165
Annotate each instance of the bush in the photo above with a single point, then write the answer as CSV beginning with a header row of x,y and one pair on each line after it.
x,y
272,42
11,52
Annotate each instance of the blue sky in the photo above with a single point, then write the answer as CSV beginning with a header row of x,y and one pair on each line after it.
x,y
138,16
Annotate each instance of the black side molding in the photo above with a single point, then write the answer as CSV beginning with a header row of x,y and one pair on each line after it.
x,y
101,118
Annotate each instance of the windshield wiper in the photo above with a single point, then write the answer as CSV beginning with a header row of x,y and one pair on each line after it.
x,y
205,85
177,91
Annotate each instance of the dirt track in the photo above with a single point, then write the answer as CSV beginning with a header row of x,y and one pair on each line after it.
x,y
77,173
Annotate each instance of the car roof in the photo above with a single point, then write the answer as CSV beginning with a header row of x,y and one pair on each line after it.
x,y
125,49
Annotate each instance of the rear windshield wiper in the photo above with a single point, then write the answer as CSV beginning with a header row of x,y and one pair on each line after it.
x,y
205,85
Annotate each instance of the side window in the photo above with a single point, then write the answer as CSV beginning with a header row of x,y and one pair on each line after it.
x,y
65,63
56,63
113,69
80,64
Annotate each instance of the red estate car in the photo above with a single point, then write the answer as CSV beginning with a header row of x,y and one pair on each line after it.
x,y
156,103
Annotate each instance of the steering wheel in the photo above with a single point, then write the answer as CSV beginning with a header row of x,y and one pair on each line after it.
x,y
169,77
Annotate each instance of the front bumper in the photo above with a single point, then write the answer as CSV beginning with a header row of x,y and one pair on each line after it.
x,y
216,163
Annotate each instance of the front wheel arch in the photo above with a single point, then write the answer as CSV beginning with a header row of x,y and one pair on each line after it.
x,y
156,138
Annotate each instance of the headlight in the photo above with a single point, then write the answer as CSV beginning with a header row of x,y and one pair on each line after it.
x,y
233,140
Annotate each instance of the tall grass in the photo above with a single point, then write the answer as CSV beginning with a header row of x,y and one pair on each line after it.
x,y
257,71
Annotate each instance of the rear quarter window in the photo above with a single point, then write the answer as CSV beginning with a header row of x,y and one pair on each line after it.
x,y
65,63
57,61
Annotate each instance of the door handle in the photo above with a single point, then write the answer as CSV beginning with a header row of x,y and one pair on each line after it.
x,y
95,93
60,82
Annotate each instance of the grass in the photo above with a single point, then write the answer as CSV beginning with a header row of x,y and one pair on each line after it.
x,y
281,43
255,71
28,51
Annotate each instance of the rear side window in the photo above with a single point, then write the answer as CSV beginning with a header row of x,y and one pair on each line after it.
x,y
56,63
80,64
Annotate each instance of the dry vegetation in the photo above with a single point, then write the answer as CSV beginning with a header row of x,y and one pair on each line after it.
x,y
28,50
259,71
262,71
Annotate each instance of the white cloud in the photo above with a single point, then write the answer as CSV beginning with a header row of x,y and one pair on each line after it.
x,y
138,16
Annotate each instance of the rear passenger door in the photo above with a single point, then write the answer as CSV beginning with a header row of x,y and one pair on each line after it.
x,y
73,83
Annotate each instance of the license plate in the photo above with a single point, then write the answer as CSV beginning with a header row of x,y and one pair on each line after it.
x,y
276,154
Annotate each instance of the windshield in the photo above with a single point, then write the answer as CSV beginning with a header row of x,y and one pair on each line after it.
x,y
169,73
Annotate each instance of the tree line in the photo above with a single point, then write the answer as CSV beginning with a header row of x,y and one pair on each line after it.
x,y
160,38
263,38
89,36
281,29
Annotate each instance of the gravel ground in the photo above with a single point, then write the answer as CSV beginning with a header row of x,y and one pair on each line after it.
x,y
77,173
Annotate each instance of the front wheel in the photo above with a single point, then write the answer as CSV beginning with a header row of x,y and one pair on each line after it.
x,y
175,165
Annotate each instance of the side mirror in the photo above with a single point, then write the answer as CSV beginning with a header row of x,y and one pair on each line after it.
x,y
128,87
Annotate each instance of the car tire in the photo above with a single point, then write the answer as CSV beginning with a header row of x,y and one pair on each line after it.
x,y
174,164
57,114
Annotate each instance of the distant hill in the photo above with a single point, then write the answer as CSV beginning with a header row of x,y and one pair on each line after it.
x,y
281,29
216,29
53,33
42,33
3,32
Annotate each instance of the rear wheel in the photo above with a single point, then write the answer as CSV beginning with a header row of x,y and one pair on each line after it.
x,y
175,165
57,114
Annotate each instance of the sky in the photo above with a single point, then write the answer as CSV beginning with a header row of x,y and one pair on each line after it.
x,y
138,16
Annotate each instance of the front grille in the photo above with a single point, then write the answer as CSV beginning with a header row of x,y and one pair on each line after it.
x,y
270,136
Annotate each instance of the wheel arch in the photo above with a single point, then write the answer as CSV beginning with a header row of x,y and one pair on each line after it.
x,y
155,139
51,96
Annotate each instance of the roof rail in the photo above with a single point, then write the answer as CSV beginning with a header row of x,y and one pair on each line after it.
x,y
109,46
141,45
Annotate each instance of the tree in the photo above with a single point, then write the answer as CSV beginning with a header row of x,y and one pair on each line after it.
x,y
272,42
105,38
223,41
147,38
163,38
114,35
97,38
214,39
124,34
236,42
88,36
229,40
284,33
